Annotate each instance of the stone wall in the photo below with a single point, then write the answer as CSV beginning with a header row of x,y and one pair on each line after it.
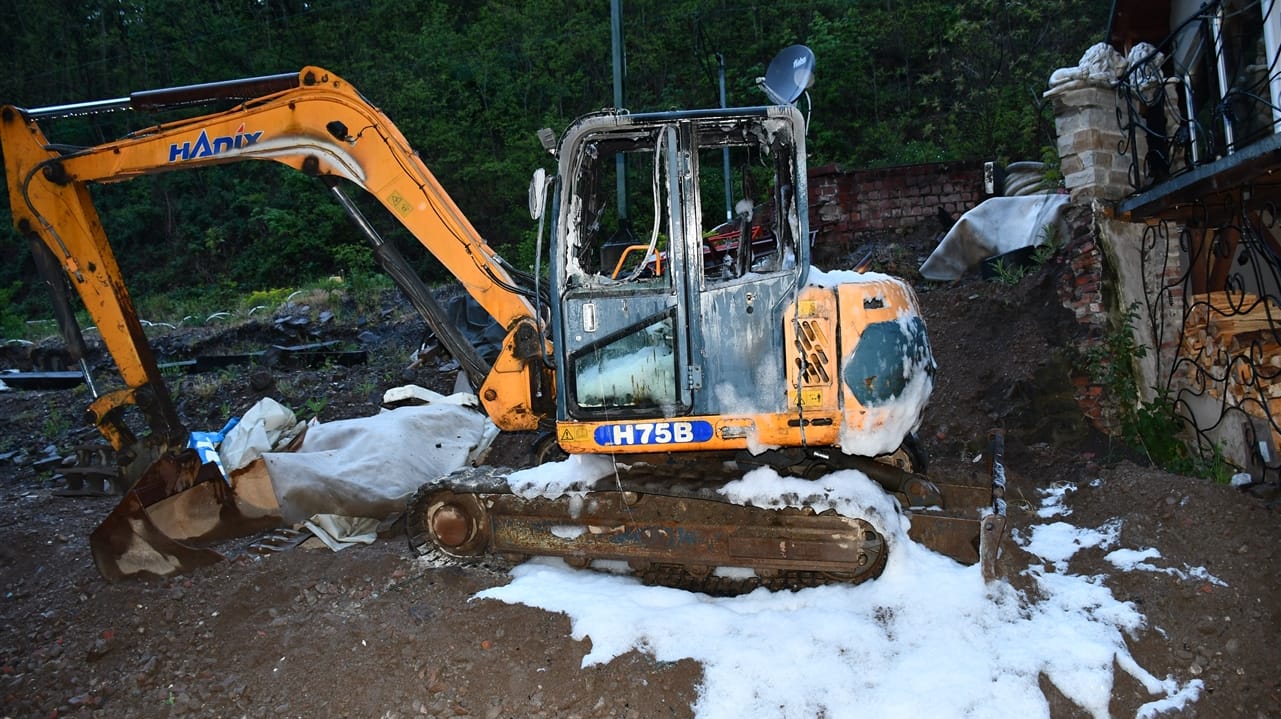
x,y
1089,136
1117,265
1080,289
1106,270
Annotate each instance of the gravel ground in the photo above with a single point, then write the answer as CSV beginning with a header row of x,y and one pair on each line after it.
x,y
372,632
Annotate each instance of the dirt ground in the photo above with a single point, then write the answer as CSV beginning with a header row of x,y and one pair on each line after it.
x,y
372,632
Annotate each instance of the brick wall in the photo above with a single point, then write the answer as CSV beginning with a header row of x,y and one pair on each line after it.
x,y
846,206
1080,289
849,207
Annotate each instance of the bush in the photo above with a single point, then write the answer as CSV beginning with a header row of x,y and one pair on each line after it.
x,y
1154,426
12,324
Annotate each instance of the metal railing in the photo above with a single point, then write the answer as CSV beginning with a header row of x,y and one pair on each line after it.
x,y
1219,308
1208,90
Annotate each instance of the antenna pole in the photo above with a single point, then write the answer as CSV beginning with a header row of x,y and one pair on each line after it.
x,y
729,188
616,41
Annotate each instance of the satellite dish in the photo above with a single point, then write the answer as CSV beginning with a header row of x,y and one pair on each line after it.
x,y
790,74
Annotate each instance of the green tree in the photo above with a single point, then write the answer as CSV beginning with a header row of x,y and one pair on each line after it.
x,y
469,83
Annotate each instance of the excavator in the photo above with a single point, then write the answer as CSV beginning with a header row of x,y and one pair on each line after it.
x,y
687,342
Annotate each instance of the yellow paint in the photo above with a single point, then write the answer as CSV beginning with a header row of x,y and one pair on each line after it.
x,y
809,398
66,221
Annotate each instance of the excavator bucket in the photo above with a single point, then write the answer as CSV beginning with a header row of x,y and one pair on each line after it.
x,y
964,539
178,506
955,532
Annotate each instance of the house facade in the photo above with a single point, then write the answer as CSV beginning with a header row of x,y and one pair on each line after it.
x,y
1169,133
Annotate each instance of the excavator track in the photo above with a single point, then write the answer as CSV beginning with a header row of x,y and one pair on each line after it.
x,y
673,532
668,524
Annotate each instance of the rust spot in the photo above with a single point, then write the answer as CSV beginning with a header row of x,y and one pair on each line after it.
x,y
450,526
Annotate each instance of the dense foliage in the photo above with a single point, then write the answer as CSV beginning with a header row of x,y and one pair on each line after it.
x,y
469,83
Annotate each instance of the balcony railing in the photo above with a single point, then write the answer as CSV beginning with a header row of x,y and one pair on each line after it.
x,y
1201,131
1206,93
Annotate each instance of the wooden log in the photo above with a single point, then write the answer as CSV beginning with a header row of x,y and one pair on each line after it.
x,y
1255,321
1223,301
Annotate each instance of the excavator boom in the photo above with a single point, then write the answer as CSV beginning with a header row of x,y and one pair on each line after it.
x,y
312,121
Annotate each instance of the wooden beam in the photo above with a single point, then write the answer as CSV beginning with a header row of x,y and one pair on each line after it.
x,y
1222,256
1198,259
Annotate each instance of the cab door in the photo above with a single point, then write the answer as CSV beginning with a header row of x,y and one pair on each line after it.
x,y
621,276
751,258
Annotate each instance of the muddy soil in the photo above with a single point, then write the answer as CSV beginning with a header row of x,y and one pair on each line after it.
x,y
372,632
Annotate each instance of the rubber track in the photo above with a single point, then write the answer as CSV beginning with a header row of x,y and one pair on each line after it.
x,y
687,481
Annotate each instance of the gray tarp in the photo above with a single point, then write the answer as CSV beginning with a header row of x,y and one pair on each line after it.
x,y
368,467
996,226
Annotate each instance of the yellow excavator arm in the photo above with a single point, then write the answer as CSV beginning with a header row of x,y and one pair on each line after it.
x,y
313,121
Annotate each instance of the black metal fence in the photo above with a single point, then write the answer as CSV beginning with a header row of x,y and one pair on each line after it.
x,y
1204,93
1219,310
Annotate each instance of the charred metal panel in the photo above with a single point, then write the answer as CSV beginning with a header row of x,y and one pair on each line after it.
x,y
741,348
879,368
626,283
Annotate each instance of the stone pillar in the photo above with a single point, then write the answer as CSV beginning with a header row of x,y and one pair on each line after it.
x,y
1089,142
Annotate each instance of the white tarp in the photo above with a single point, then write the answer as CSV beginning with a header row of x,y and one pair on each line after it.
x,y
996,226
339,532
369,466
266,426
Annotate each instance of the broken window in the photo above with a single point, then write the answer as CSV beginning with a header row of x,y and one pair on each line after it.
x,y
756,202
636,370
622,234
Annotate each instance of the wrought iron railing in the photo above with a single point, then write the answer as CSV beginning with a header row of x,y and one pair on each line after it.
x,y
1219,309
1208,90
